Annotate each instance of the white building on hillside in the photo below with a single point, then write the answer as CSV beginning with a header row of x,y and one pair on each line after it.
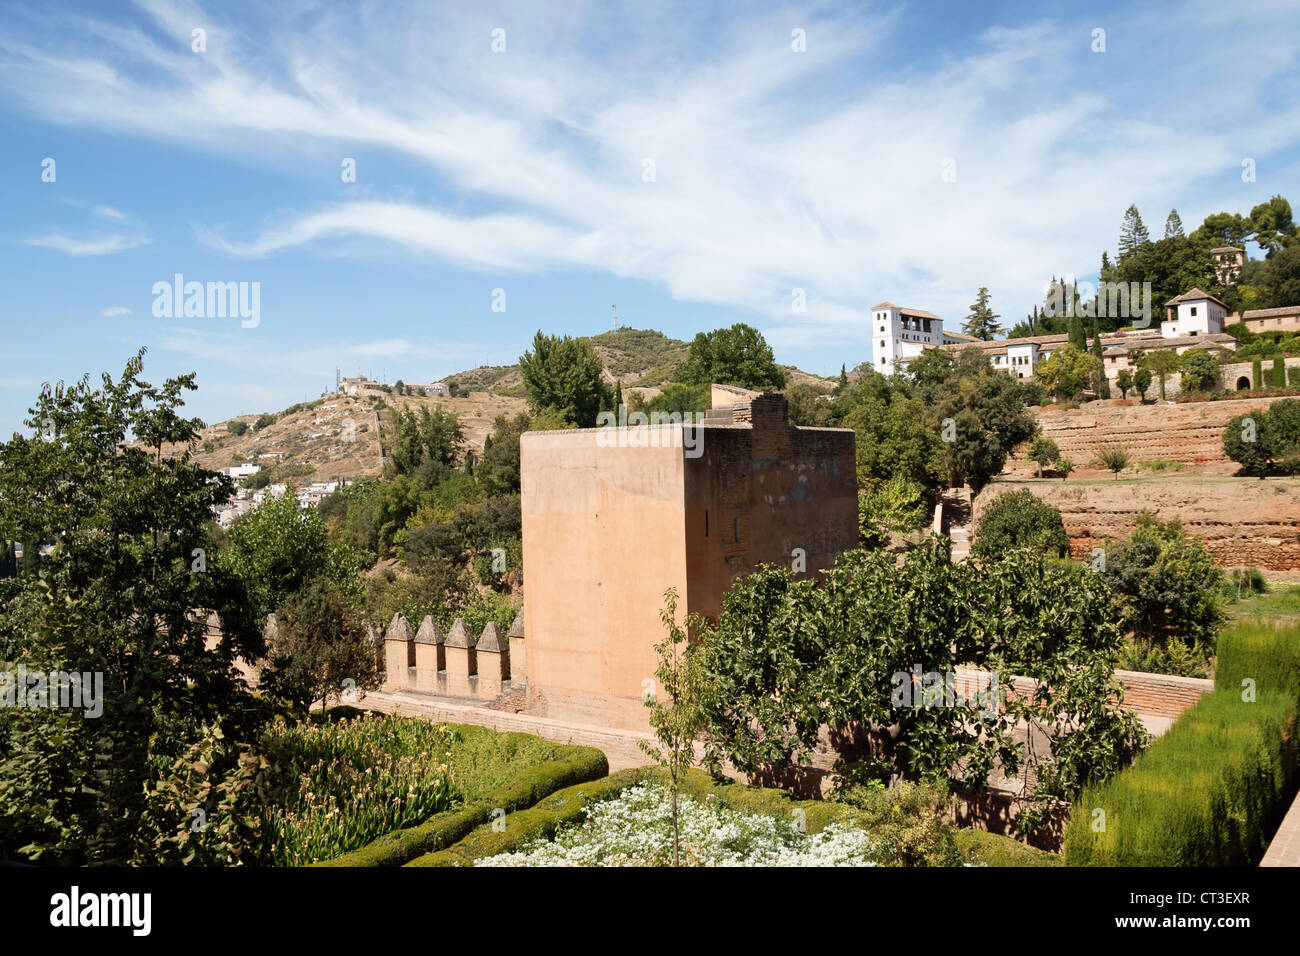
x,y
1193,313
899,335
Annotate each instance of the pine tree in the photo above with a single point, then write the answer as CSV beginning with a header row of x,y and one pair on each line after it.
x,y
844,379
1173,225
1106,267
1132,234
982,321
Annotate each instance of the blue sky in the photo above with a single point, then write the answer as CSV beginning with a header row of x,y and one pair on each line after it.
x,y
526,170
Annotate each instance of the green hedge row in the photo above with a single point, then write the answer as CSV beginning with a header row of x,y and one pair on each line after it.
x,y
1212,790
565,807
577,765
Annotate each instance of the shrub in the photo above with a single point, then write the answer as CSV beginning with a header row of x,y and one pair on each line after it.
x,y
884,507
1020,519
236,428
1266,441
1165,583
263,421
1115,459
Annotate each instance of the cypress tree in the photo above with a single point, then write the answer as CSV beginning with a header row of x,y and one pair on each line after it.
x,y
1257,373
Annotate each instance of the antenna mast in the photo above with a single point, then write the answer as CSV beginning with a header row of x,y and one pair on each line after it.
x,y
615,308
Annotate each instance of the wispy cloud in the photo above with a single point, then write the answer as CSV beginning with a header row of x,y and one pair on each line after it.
x,y
720,164
115,310
94,246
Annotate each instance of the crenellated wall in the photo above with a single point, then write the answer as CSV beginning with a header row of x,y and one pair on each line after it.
x,y
455,664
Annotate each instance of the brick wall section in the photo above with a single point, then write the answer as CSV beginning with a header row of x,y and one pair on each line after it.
x,y
1152,695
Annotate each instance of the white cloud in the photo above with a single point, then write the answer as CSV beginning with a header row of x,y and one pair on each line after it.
x,y
95,246
115,310
108,212
774,170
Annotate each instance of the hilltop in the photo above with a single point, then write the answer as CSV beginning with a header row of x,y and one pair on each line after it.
x,y
638,358
313,441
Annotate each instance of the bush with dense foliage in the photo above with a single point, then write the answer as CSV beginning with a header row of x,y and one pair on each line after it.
x,y
1266,441
1166,584
887,507
1020,519
787,657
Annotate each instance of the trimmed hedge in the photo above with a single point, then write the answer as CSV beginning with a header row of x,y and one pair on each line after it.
x,y
565,807
1212,790
577,765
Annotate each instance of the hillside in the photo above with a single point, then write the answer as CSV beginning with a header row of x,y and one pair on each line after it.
x,y
315,442
337,436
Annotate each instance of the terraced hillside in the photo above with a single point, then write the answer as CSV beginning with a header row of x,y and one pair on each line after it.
x,y
1191,433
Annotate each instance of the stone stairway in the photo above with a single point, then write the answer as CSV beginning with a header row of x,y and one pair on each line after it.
x,y
956,520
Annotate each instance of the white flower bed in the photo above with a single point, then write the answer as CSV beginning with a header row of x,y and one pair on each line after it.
x,y
636,829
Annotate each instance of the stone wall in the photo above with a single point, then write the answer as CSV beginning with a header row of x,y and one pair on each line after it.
x,y
452,665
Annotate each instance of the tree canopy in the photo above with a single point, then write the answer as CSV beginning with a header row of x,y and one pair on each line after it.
x,y
738,356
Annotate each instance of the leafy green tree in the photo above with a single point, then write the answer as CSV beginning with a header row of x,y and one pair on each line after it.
x,y
1066,372
680,399
1132,234
1264,441
1044,451
263,421
895,505
122,593
1273,227
1124,381
320,649
1282,279
893,436
1115,460
1200,371
1166,584
982,322
1225,229
738,356
808,405
499,468
565,375
787,658
236,428
1020,519
1161,363
1173,224
275,549
1142,382
427,444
